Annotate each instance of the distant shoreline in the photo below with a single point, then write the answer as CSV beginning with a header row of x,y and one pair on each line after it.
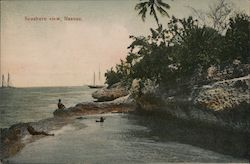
x,y
66,86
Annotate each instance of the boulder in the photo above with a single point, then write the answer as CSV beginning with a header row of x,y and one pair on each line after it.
x,y
222,95
110,93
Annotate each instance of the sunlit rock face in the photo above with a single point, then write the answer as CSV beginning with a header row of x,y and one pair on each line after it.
x,y
222,99
226,88
108,94
223,95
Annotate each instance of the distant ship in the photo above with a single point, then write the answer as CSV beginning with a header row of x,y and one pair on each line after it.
x,y
94,82
7,84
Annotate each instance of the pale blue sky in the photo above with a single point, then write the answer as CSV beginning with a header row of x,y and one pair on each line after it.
x,y
67,53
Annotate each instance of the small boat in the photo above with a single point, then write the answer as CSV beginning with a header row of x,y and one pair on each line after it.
x,y
94,86
101,120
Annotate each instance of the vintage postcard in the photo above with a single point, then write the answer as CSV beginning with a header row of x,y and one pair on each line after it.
x,y
124,81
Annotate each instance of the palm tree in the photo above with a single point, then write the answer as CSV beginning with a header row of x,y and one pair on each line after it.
x,y
153,5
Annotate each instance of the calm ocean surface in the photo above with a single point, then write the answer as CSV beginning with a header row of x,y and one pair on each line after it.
x,y
33,104
122,138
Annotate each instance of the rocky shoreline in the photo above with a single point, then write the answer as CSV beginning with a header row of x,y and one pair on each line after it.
x,y
221,103
12,139
213,105
121,105
222,99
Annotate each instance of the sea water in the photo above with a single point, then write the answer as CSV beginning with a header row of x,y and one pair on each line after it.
x,y
33,104
120,139
123,138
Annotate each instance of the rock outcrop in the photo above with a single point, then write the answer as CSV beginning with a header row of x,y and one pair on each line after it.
x,y
223,102
235,70
223,95
13,138
110,93
121,105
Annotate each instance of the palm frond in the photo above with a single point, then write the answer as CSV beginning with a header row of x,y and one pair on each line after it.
x,y
143,12
162,11
164,5
153,12
142,8
141,5
153,6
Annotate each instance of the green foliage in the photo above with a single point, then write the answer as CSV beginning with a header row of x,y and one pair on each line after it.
x,y
120,73
237,39
149,55
189,47
194,46
112,77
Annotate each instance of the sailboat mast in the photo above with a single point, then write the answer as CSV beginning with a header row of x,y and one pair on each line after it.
x,y
99,75
8,80
2,80
1,66
94,78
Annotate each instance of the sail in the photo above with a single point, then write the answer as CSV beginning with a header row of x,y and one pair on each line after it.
x,y
4,84
8,80
99,75
94,79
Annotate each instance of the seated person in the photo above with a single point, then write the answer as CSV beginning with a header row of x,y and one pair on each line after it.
x,y
60,105
32,131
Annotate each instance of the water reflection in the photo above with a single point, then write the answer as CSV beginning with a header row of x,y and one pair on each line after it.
x,y
164,128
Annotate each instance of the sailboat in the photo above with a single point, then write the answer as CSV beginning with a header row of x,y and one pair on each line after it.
x,y
6,84
94,82
3,82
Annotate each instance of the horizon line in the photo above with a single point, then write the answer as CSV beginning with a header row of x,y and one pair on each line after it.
x,y
51,86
